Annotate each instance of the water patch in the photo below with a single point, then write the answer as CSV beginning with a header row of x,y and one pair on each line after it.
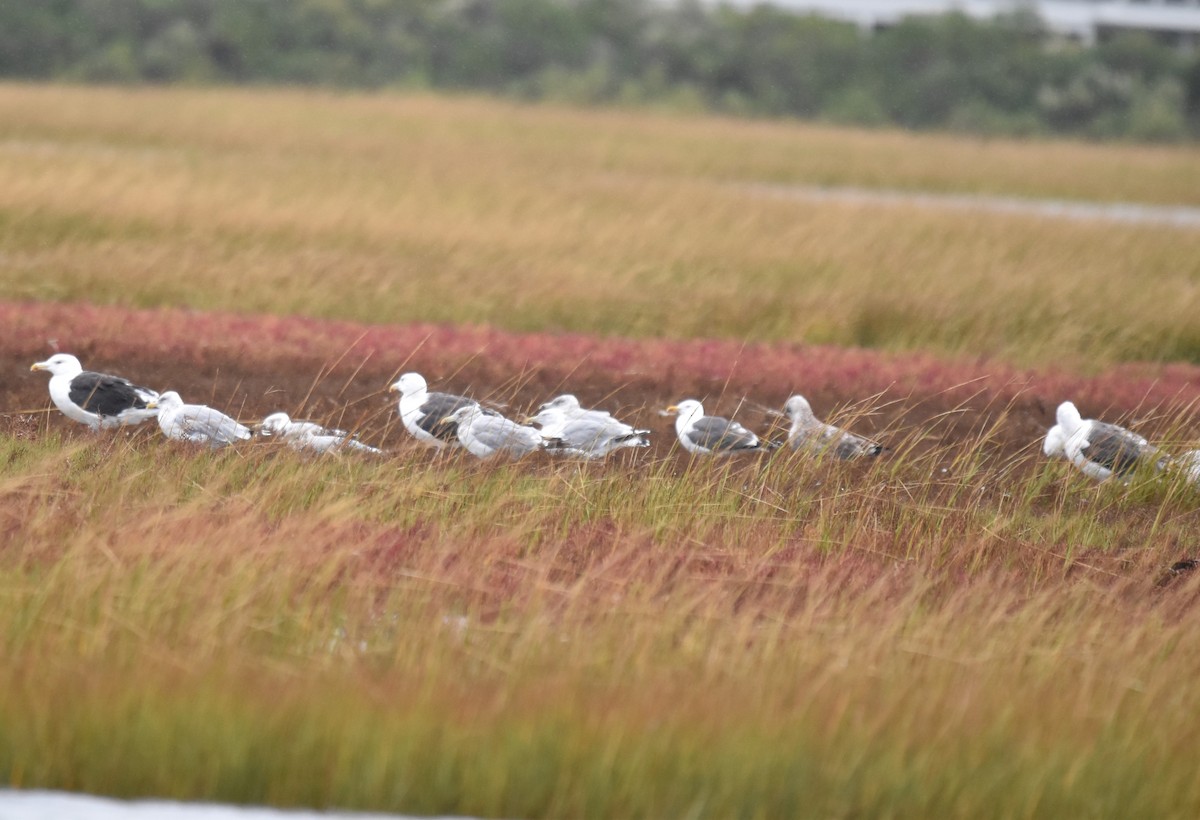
x,y
1130,213
44,805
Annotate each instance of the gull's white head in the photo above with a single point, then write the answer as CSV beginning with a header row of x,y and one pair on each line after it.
x,y
275,424
1068,418
798,409
548,416
167,401
463,414
60,364
410,384
1055,440
566,403
686,409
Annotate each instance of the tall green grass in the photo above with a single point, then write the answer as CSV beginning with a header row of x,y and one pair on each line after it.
x,y
942,632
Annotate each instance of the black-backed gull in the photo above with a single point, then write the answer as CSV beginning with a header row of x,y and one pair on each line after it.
x,y
424,413
99,400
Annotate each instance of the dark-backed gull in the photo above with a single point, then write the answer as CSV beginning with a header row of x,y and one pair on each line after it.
x,y
95,399
812,435
588,435
1100,450
310,436
484,433
711,435
196,422
424,413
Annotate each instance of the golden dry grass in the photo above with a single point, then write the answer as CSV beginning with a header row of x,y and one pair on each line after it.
x,y
635,639
406,207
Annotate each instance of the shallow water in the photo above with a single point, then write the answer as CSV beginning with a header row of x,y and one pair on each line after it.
x,y
1174,216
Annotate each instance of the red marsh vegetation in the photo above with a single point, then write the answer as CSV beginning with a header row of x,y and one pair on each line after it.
x,y
254,365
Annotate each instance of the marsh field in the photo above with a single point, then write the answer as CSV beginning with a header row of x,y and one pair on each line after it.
x,y
958,628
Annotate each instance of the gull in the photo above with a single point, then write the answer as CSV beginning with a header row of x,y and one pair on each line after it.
x,y
588,436
307,435
1100,450
485,433
815,436
424,413
711,435
196,423
98,400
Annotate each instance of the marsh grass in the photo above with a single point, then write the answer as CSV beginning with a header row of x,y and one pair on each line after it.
x,y
395,208
941,631
959,628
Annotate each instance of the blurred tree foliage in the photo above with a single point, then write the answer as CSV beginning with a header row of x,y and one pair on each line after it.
x,y
1007,76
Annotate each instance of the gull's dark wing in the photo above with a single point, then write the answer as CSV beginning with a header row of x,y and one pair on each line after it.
x,y
435,408
1115,447
107,395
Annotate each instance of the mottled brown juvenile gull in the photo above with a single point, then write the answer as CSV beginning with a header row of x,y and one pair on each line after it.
x,y
812,435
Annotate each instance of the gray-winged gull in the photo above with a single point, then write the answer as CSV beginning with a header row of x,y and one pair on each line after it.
x,y
424,413
307,435
1100,450
711,435
1189,462
95,399
572,409
196,422
815,436
485,433
590,434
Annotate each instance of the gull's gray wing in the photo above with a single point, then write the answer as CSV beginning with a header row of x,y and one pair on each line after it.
x,y
716,433
1115,447
204,424
499,433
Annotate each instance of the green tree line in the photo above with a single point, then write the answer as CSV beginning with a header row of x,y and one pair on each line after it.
x,y
1007,76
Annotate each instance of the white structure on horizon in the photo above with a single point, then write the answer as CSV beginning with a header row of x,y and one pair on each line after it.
x,y
1086,20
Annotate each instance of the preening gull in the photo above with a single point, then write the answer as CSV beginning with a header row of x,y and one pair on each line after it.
x,y
95,399
587,435
1100,450
307,435
711,435
425,414
815,436
196,422
485,433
